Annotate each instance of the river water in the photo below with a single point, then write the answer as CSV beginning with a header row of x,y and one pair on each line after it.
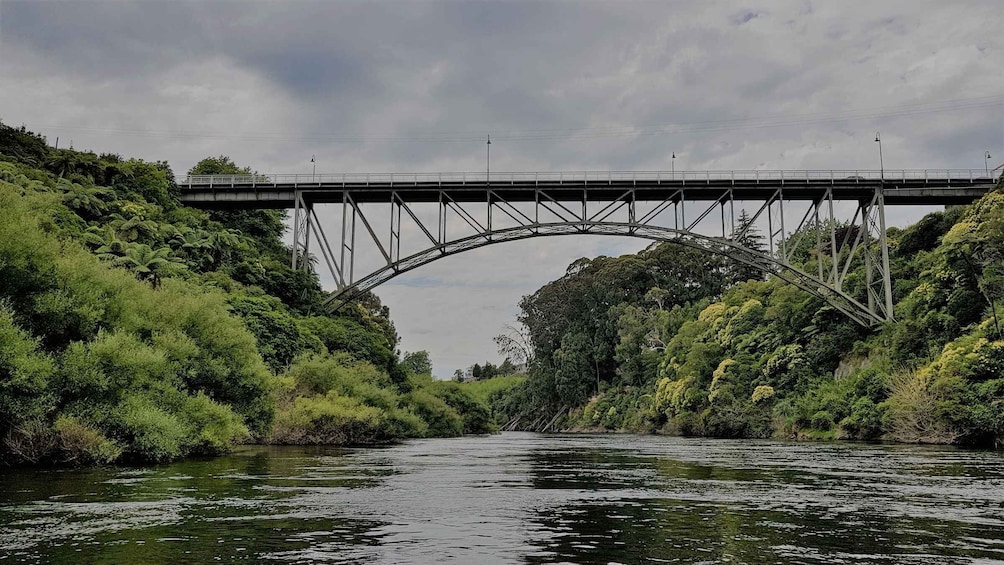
x,y
520,498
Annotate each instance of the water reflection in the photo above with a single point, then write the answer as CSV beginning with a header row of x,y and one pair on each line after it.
x,y
520,498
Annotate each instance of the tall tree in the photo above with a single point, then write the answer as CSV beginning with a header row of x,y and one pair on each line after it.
x,y
417,362
748,236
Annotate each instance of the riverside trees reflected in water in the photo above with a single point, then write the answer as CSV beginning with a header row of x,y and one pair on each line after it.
x,y
521,498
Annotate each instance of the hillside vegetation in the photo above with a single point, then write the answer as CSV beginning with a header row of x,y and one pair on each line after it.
x,y
135,329
678,341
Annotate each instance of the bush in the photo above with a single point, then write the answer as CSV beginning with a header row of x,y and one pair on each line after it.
x,y
216,428
865,421
82,444
328,419
152,433
475,415
443,421
25,372
822,421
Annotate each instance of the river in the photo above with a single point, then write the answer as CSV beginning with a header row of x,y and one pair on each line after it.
x,y
520,498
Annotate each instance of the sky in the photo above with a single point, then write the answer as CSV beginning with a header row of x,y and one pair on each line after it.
x,y
418,86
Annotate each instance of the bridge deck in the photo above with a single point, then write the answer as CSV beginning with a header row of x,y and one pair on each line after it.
x,y
916,187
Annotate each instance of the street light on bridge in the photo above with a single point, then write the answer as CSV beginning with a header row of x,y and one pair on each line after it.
x,y
674,165
878,139
986,162
488,168
313,174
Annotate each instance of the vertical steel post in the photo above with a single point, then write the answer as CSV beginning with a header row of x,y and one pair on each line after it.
x,y
352,252
296,227
780,208
835,267
819,240
308,210
884,244
869,264
770,224
345,209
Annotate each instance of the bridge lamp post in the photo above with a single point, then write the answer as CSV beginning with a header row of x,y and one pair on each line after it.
x,y
878,139
673,161
313,175
986,162
488,168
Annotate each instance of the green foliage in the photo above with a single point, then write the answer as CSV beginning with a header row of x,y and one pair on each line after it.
x,y
330,418
82,444
23,145
417,362
475,414
443,420
277,332
25,373
724,357
316,386
132,328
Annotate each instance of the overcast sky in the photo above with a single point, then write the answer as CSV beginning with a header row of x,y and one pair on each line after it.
x,y
416,86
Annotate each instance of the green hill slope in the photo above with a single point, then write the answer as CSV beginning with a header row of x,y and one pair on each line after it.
x,y
133,328
676,341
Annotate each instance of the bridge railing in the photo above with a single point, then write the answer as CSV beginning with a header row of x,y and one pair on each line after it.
x,y
502,177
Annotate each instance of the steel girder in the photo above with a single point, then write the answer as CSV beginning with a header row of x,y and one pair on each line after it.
x,y
835,244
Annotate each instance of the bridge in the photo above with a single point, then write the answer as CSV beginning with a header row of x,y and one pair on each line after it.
x,y
442,214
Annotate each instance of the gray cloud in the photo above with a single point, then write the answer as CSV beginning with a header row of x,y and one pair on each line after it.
x,y
407,86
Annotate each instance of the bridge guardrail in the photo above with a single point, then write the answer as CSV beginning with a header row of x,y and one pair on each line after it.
x,y
502,178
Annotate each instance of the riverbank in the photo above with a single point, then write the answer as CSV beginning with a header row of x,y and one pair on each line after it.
x,y
673,338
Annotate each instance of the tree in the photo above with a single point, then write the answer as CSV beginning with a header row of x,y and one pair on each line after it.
x,y
657,295
266,225
417,362
515,344
220,243
23,145
63,161
90,201
749,238
133,228
506,368
980,246
149,264
105,242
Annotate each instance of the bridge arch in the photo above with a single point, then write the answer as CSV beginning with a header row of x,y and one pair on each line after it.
x,y
763,262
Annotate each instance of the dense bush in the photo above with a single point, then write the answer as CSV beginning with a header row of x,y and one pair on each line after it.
x,y
748,357
133,328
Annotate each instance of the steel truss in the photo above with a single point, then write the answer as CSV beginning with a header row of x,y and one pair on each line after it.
x,y
834,243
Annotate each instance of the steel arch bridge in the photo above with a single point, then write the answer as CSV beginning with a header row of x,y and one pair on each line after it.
x,y
839,215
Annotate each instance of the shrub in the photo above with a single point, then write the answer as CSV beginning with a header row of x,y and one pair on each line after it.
x,y
82,444
865,420
822,421
152,433
475,415
327,419
443,421
762,393
216,428
25,372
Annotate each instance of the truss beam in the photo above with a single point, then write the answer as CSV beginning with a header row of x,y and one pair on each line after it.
x,y
817,255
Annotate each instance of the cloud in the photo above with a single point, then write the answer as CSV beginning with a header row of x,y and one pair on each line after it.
x,y
417,86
